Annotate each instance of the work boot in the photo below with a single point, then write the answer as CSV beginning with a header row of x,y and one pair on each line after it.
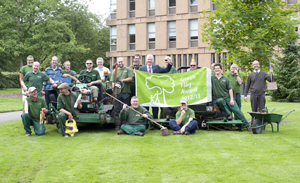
x,y
177,133
121,132
140,134
28,135
229,117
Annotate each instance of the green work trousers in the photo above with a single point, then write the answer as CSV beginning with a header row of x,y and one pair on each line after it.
x,y
224,104
27,120
94,90
62,118
133,129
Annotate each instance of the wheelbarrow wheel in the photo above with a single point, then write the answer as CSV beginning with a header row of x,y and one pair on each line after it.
x,y
256,122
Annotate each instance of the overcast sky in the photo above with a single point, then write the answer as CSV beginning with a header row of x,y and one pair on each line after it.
x,y
99,6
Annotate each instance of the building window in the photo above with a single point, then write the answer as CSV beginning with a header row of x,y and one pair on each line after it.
x,y
214,6
196,58
291,1
151,36
213,58
113,9
174,61
219,58
128,61
131,8
194,33
190,58
184,60
151,8
172,34
115,60
172,7
153,59
179,60
113,38
143,60
193,6
224,58
131,37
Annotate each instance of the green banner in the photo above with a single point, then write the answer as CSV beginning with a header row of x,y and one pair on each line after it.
x,y
166,90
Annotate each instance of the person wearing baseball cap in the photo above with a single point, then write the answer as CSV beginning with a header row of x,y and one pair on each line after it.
x,y
32,118
185,123
65,105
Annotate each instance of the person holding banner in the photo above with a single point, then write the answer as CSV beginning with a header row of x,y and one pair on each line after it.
x,y
135,123
223,94
51,72
193,66
36,79
65,105
34,105
167,61
155,69
185,123
69,73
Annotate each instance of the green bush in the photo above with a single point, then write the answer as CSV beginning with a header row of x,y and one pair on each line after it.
x,y
9,80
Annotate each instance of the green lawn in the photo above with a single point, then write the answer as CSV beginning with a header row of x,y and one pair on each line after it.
x,y
10,104
11,90
99,155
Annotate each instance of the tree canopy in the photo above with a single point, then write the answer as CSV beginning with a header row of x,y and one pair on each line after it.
x,y
44,28
250,29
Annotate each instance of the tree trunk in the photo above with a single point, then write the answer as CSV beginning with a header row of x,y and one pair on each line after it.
x,y
18,31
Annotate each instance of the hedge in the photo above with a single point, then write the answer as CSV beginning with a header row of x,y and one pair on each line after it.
x,y
9,80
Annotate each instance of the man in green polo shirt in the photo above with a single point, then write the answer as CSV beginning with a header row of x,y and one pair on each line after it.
x,y
222,93
125,75
36,79
65,105
32,116
236,80
135,123
185,123
94,74
25,69
69,73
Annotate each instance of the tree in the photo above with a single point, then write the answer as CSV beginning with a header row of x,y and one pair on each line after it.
x,y
32,27
250,29
288,76
89,31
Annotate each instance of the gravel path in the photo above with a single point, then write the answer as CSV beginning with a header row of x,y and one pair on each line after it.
x,y
10,95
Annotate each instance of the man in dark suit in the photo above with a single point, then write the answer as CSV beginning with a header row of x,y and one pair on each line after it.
x,y
149,67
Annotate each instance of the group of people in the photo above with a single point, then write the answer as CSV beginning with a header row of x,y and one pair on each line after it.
x,y
225,91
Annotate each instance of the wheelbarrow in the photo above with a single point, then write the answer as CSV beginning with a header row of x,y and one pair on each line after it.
x,y
261,119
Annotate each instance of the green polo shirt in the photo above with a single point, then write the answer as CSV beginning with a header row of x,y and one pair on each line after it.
x,y
93,73
189,113
36,80
35,107
172,70
72,73
123,74
220,87
231,79
60,104
25,69
132,117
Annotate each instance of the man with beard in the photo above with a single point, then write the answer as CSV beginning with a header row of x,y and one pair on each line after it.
x,y
94,74
135,123
36,79
125,75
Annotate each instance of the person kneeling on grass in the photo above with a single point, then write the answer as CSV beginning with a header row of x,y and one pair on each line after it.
x,y
185,123
65,105
135,123
32,118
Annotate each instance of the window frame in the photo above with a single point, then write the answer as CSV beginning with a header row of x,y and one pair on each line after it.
x,y
130,12
129,34
113,39
169,32
190,30
151,42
